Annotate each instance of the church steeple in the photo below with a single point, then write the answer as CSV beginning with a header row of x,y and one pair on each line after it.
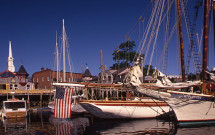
x,y
11,66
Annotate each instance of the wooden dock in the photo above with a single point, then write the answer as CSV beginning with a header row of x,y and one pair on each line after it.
x,y
27,92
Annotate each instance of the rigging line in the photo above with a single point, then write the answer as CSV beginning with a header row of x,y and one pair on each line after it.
x,y
209,107
145,35
60,59
168,40
142,44
149,106
169,8
187,22
127,35
153,31
200,45
191,31
166,37
69,58
155,41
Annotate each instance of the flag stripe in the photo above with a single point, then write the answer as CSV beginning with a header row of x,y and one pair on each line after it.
x,y
62,107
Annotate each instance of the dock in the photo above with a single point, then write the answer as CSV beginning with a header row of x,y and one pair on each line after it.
x,y
27,92
35,98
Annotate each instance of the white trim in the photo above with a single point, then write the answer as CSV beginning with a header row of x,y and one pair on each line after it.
x,y
68,84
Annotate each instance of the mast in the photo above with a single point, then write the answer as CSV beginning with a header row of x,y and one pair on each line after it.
x,y
101,65
57,58
64,58
214,20
205,39
180,40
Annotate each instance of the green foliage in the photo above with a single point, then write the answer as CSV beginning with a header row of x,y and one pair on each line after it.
x,y
145,69
124,55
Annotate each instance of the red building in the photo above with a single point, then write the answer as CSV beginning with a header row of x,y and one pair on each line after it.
x,y
44,78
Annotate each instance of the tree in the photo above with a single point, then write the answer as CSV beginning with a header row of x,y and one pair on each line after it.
x,y
124,55
145,70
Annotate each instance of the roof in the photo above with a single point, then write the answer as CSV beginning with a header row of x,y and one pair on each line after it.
x,y
87,73
7,74
22,70
122,71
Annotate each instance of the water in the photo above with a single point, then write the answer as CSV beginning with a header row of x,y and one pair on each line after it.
x,y
43,123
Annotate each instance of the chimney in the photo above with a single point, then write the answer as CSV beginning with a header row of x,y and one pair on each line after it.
x,y
42,69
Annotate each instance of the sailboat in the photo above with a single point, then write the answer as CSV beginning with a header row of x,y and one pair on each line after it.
x,y
75,88
115,101
189,107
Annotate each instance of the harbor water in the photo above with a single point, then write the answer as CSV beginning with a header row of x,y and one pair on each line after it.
x,y
44,123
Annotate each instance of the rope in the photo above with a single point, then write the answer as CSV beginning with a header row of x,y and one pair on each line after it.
x,y
158,27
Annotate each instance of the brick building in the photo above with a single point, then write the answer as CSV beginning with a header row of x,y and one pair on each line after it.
x,y
44,78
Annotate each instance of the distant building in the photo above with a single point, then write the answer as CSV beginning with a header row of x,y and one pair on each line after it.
x,y
175,78
87,76
113,75
17,80
11,80
44,78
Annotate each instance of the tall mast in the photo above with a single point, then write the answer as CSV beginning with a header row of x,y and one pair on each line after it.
x,y
180,40
57,58
205,39
214,20
64,61
101,65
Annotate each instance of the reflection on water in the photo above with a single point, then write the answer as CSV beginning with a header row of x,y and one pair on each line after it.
x,y
44,123
148,126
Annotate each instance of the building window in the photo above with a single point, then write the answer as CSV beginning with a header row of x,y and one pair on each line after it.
x,y
61,79
16,87
28,87
54,79
11,87
48,78
109,78
42,79
68,79
37,80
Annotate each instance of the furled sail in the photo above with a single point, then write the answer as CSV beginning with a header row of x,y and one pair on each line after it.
x,y
135,74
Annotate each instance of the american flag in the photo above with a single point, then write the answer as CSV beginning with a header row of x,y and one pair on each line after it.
x,y
63,103
63,128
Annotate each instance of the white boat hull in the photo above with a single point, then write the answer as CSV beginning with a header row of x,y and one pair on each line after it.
x,y
75,108
194,111
14,109
187,110
120,110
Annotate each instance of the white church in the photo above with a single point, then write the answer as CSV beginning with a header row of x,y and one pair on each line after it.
x,y
11,80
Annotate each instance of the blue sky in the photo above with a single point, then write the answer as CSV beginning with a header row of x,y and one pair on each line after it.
x,y
91,26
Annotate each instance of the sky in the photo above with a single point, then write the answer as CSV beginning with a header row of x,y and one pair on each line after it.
x,y
91,26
